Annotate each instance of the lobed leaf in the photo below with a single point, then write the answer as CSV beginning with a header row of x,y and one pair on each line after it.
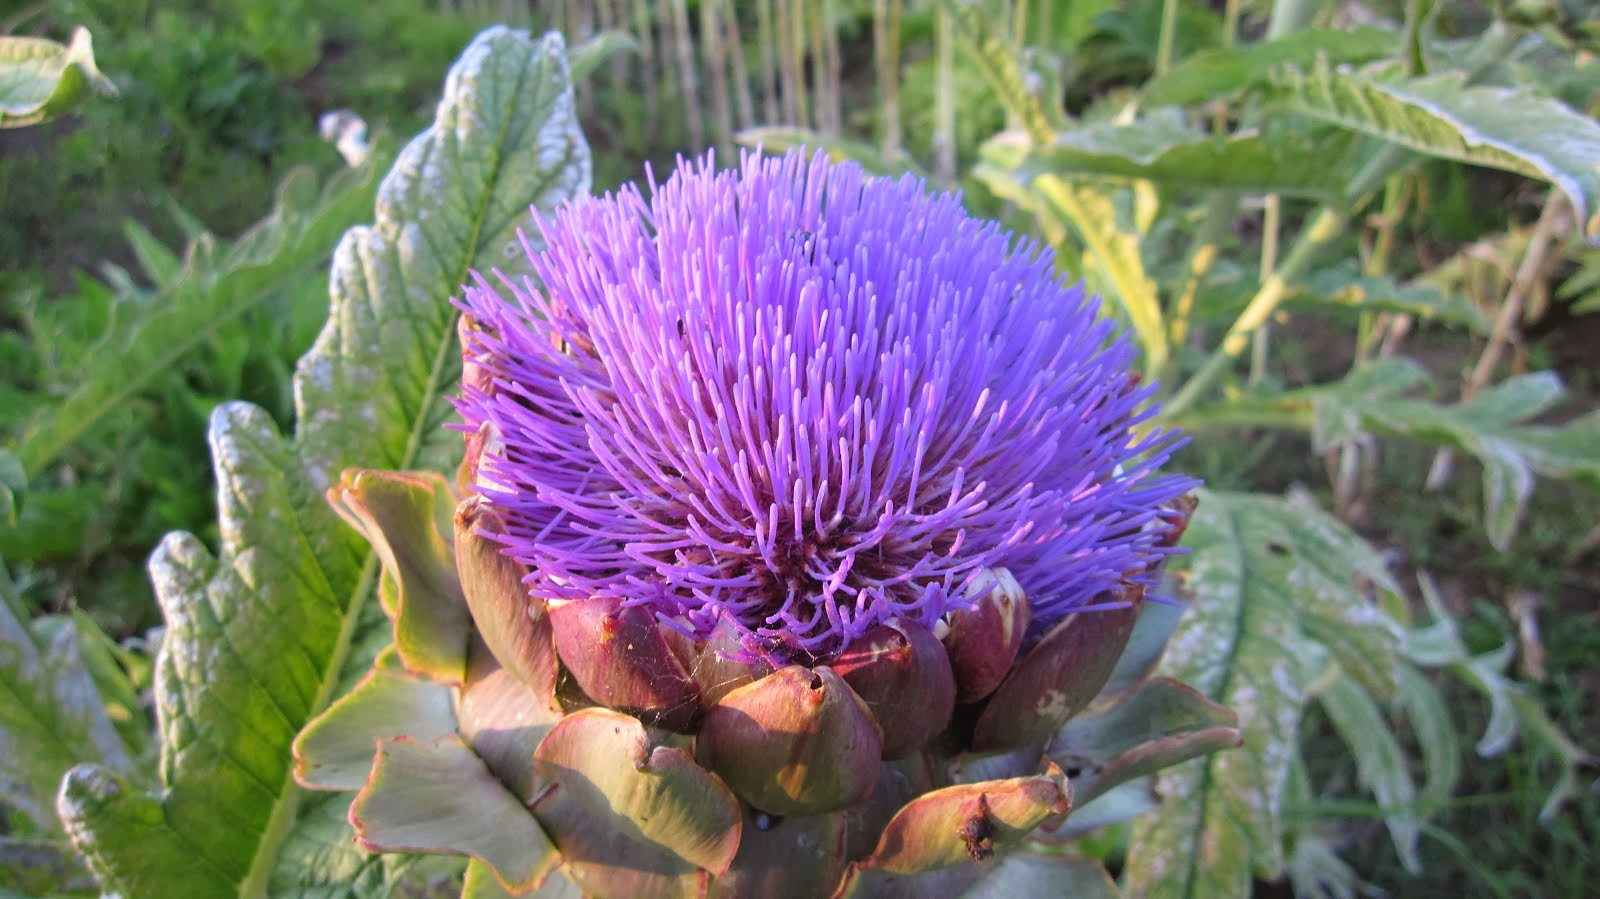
x,y
51,713
1490,426
41,79
1441,115
1276,605
1381,764
213,288
1296,162
1343,285
1224,72
1512,711
262,636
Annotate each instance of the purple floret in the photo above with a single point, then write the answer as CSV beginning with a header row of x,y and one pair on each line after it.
x,y
812,400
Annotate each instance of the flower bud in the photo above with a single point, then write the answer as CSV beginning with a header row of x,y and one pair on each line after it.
x,y
901,671
983,641
797,742
620,658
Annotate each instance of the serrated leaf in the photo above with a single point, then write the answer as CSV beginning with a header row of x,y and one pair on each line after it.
x,y
1275,601
1440,115
1436,736
260,638
41,79
1381,764
1344,286
1511,710
51,714
212,289
1372,399
1295,162
1220,73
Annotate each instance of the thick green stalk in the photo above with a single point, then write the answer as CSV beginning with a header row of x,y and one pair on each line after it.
x,y
944,116
886,56
1289,16
1269,261
1169,32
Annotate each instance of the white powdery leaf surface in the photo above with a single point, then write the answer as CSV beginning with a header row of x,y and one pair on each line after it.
x,y
1274,604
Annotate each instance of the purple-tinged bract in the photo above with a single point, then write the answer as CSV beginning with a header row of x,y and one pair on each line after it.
x,y
811,400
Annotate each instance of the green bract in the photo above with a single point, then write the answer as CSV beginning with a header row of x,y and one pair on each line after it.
x,y
581,742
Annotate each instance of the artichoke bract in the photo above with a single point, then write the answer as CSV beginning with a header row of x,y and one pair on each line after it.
x,y
800,517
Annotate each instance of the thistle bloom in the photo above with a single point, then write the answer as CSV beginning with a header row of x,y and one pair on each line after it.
x,y
808,402
801,515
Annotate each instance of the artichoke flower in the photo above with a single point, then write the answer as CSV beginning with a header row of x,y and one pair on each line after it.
x,y
807,536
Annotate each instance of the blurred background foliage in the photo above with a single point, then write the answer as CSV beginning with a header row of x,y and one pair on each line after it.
x,y
166,250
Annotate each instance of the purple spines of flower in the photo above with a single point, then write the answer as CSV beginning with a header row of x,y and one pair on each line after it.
x,y
811,400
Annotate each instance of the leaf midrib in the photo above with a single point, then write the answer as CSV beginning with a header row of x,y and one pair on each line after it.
x,y
282,817
1229,670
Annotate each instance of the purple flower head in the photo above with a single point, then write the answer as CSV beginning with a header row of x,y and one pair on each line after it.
x,y
810,400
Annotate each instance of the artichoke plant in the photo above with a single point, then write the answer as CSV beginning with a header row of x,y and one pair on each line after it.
x,y
808,541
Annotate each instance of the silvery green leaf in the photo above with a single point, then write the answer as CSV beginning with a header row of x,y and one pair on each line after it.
x,y
1276,609
1492,426
1512,129
263,633
52,715
1292,161
209,290
1224,72
1381,764
1512,711
41,79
